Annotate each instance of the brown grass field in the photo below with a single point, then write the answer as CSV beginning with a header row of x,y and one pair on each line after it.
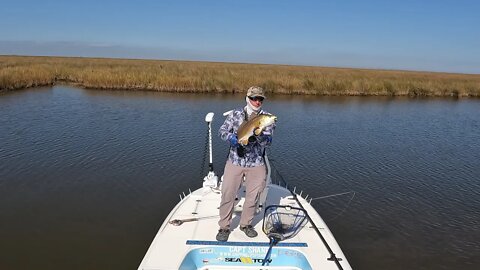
x,y
19,72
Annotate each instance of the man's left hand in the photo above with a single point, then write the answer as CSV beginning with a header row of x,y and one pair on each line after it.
x,y
257,131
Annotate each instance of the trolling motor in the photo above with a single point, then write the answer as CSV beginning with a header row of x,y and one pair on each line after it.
x,y
211,180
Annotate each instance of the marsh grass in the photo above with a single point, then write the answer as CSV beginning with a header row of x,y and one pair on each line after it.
x,y
18,72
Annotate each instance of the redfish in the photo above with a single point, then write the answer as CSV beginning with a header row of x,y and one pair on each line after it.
x,y
256,124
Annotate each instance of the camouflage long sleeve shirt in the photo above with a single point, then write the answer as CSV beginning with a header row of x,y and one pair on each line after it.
x,y
253,150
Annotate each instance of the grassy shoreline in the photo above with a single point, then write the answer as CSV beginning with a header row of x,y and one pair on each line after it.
x,y
19,72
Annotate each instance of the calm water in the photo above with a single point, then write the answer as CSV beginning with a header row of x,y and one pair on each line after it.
x,y
87,177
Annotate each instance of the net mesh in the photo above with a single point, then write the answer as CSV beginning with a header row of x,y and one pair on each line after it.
x,y
282,222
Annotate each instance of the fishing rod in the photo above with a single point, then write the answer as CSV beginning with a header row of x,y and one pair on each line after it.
x,y
178,222
333,257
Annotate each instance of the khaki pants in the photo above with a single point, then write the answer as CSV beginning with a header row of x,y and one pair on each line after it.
x,y
255,181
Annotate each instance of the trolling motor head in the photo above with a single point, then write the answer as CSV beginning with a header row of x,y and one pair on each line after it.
x,y
209,117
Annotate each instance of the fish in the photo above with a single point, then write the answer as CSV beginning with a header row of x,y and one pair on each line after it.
x,y
257,124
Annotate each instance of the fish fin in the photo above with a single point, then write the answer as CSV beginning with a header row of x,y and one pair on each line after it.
x,y
257,131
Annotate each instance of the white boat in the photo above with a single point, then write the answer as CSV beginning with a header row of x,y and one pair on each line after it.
x,y
186,240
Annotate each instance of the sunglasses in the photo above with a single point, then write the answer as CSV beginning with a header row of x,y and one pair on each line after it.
x,y
256,98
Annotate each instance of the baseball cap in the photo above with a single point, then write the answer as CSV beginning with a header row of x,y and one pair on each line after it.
x,y
255,91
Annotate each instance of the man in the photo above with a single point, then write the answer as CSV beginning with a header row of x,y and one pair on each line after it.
x,y
243,160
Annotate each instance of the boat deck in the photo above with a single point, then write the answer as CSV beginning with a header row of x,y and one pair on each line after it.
x,y
192,245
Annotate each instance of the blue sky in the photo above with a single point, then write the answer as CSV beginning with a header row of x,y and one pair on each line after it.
x,y
412,35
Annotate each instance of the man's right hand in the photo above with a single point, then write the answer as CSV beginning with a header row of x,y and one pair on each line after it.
x,y
234,141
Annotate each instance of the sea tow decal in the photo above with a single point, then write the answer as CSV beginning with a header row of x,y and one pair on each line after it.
x,y
246,260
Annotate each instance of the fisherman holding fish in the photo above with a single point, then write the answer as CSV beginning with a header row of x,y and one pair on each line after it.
x,y
249,131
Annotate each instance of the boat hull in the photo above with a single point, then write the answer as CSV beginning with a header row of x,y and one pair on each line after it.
x,y
192,244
